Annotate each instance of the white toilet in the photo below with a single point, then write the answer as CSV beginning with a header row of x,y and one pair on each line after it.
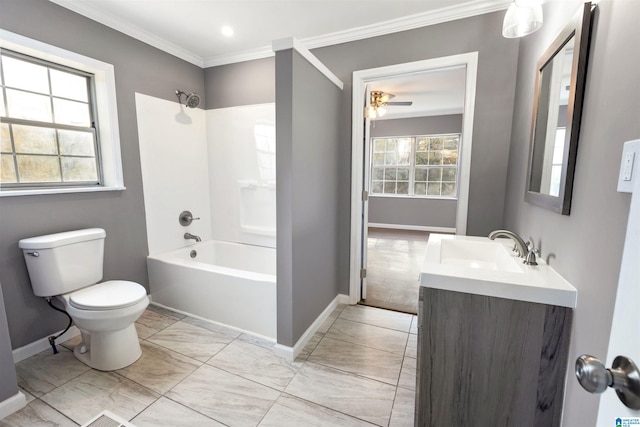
x,y
68,266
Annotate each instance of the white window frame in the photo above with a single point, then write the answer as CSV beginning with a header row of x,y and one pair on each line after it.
x,y
106,106
412,167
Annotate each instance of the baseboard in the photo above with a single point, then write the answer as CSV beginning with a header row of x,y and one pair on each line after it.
x,y
12,404
413,227
290,353
42,344
213,322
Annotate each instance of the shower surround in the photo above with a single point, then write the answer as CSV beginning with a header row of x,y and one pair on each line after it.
x,y
220,165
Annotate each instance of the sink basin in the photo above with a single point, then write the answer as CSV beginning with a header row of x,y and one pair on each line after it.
x,y
478,265
486,255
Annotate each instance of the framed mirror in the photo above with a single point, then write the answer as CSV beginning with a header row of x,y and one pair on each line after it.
x,y
557,108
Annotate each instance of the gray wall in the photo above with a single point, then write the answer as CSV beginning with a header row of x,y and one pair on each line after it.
x,y
585,247
307,186
414,211
497,61
242,83
9,383
497,65
138,68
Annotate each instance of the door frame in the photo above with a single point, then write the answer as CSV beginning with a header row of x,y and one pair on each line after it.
x,y
360,78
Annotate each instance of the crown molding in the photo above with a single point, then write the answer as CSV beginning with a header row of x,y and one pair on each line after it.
x,y
83,8
293,43
410,22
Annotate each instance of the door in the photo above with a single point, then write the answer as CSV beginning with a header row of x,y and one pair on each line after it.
x,y
624,338
625,329
365,193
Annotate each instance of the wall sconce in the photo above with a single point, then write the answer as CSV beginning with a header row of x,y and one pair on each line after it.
x,y
523,17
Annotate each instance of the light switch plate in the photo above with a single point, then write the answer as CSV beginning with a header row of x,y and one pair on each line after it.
x,y
629,166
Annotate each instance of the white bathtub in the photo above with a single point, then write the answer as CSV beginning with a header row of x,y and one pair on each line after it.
x,y
229,283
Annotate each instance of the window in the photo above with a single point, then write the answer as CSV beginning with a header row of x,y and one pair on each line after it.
x,y
416,166
58,120
47,123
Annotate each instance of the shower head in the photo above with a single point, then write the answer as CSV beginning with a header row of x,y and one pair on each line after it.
x,y
191,100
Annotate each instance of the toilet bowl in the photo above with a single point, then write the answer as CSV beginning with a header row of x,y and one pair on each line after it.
x,y
105,314
67,266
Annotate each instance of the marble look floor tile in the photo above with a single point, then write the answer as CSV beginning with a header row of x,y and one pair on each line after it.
x,y
377,317
369,336
368,362
289,411
151,322
28,396
37,414
45,371
225,397
70,344
353,395
403,412
311,345
212,326
260,341
412,346
159,368
165,312
408,374
255,363
93,392
414,325
192,341
167,413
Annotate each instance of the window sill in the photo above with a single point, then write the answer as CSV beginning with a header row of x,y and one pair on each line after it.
x,y
41,191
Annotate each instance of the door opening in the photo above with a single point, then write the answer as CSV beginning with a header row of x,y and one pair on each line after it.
x,y
374,172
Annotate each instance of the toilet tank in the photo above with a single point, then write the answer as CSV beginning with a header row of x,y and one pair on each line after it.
x,y
64,262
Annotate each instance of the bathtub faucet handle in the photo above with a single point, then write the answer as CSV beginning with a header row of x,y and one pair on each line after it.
x,y
186,218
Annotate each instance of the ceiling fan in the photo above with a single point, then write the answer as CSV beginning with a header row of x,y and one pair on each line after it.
x,y
379,100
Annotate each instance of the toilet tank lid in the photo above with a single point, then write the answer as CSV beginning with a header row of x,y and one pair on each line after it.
x,y
61,239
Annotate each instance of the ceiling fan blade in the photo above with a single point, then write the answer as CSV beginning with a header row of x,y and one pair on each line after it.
x,y
386,96
405,103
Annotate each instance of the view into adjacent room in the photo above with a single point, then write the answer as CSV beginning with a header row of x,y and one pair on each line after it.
x,y
414,140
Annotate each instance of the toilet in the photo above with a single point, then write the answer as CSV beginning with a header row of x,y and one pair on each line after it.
x,y
69,266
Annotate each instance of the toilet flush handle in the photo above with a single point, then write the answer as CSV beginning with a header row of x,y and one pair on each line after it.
x,y
34,254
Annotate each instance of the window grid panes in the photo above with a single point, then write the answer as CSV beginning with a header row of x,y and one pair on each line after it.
x,y
48,136
417,166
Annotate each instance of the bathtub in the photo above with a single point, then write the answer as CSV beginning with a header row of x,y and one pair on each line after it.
x,y
228,283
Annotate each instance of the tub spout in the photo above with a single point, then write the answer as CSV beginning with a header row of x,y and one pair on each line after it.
x,y
188,236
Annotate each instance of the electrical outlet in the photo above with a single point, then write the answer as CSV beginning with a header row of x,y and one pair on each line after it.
x,y
628,167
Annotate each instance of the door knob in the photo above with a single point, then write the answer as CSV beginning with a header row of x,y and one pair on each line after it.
x,y
623,376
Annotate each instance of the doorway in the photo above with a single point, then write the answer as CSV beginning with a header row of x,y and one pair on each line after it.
x,y
362,182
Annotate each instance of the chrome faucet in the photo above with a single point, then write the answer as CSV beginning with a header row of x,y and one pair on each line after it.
x,y
521,246
192,236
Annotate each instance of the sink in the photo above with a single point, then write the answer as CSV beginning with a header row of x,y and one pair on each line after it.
x,y
486,255
478,265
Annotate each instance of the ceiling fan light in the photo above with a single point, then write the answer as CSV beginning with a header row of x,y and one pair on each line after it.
x,y
381,111
523,17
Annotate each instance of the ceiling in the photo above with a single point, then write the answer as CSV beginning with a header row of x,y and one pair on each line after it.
x,y
191,29
433,93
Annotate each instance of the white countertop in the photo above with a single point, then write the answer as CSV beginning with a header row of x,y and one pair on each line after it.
x,y
538,284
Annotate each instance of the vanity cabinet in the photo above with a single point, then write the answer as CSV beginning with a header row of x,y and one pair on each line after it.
x,y
489,361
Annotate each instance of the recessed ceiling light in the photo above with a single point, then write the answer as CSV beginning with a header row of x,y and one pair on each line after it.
x,y
227,31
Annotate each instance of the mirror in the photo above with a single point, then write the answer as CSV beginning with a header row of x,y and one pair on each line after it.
x,y
557,107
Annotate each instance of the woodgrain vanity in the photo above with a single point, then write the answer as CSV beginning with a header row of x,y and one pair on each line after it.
x,y
493,337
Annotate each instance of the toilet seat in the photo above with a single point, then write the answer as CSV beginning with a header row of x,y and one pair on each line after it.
x,y
109,295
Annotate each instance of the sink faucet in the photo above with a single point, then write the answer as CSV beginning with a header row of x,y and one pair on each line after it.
x,y
521,246
192,236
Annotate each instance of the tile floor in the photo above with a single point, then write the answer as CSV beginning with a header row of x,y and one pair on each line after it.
x,y
394,259
358,370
